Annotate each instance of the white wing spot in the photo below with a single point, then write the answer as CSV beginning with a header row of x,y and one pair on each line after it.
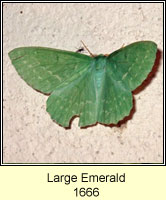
x,y
107,113
42,67
50,72
89,102
123,77
58,77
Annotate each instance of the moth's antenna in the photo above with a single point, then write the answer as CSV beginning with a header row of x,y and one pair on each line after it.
x,y
123,46
87,49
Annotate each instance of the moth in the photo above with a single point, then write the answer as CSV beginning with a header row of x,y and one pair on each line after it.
x,y
97,88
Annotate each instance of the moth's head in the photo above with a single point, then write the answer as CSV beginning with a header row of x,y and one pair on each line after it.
x,y
100,62
95,55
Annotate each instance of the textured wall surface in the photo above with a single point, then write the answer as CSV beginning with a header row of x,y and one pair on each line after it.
x,y
29,133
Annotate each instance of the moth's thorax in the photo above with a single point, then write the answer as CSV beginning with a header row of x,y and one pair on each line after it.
x,y
100,62
99,66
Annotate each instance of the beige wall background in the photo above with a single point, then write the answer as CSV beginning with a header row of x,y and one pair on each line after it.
x,y
29,134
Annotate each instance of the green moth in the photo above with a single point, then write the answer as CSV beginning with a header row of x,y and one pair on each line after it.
x,y
95,88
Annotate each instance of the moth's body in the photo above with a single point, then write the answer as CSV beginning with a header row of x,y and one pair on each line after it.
x,y
98,72
99,69
97,88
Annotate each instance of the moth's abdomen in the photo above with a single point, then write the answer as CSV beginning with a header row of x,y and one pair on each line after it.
x,y
99,77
